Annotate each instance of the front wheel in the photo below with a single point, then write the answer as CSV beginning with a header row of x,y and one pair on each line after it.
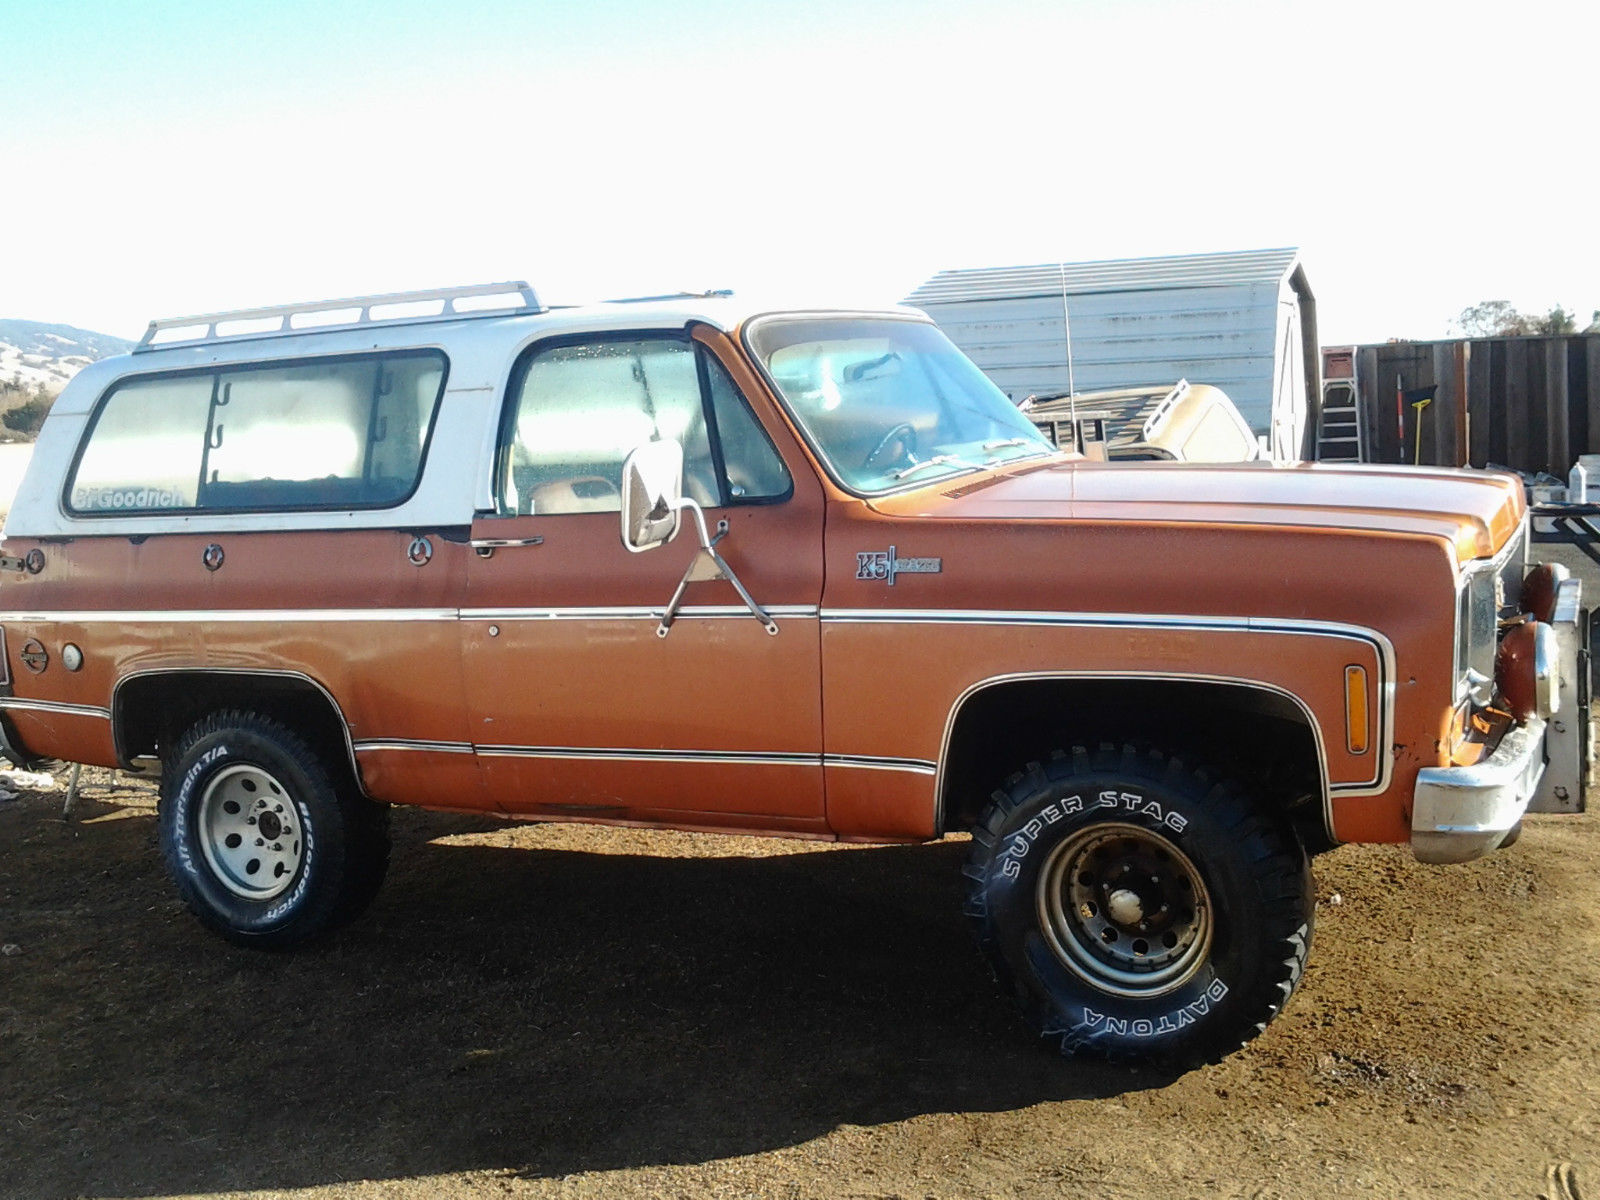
x,y
1138,908
266,845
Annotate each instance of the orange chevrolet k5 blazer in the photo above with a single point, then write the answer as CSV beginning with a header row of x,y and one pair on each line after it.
x,y
689,563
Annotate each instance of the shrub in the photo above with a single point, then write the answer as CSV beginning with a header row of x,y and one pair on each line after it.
x,y
27,417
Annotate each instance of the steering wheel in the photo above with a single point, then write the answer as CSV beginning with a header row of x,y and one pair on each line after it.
x,y
905,433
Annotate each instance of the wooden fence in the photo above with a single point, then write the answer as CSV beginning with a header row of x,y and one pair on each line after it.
x,y
1531,403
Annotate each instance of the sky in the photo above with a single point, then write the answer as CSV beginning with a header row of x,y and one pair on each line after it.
x,y
168,157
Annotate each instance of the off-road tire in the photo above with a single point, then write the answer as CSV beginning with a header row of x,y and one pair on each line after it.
x,y
1121,802
341,851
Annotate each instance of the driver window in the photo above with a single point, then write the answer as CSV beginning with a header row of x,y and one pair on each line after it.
x,y
578,410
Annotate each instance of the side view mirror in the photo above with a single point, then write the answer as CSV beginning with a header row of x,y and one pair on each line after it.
x,y
652,495
652,499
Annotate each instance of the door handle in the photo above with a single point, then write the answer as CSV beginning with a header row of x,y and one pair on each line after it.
x,y
487,546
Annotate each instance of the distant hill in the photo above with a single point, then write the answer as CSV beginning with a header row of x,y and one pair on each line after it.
x,y
34,352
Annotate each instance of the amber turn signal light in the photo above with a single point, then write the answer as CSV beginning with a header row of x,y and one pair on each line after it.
x,y
1355,709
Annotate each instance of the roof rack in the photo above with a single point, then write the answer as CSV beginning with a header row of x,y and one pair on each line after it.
x,y
351,313
710,294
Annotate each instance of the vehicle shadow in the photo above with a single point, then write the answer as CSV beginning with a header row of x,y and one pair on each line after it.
x,y
540,1012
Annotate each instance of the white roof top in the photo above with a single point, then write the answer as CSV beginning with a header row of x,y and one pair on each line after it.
x,y
1112,275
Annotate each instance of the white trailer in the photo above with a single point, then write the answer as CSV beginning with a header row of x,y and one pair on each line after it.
x,y
1244,321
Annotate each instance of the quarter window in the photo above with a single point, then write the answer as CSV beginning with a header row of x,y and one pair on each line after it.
x,y
755,472
325,434
577,410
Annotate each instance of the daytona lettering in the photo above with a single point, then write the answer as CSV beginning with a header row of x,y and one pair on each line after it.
x,y
1096,1024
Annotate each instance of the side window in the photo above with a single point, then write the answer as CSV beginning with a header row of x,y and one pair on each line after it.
x,y
144,452
327,434
324,435
576,412
754,470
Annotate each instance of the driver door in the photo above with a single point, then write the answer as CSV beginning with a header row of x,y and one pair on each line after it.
x,y
579,708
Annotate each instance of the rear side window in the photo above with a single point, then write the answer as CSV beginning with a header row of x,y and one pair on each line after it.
x,y
324,434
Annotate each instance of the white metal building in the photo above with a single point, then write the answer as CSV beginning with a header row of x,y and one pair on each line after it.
x,y
1244,321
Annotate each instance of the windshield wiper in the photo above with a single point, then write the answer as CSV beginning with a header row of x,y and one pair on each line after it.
x,y
936,460
1043,450
1001,444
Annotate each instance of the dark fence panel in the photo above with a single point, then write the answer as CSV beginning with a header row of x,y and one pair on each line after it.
x,y
1532,403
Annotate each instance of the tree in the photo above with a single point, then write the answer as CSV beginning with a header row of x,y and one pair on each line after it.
x,y
1491,318
1557,321
27,417
1594,322
1498,318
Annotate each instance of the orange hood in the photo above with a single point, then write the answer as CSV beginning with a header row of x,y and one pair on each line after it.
x,y
1476,511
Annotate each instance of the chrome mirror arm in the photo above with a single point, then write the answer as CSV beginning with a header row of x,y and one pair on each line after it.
x,y
705,566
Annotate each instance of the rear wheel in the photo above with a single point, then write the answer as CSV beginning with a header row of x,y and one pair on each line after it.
x,y
1137,907
266,845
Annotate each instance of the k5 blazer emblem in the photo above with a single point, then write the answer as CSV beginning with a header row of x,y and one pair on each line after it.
x,y
885,565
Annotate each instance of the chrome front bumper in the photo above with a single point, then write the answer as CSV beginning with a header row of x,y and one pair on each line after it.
x,y
1462,813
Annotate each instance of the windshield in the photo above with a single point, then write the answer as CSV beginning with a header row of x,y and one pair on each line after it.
x,y
891,403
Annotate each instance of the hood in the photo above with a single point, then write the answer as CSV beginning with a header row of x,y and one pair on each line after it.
x,y
1476,511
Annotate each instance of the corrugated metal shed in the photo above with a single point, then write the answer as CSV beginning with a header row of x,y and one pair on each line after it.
x,y
1242,321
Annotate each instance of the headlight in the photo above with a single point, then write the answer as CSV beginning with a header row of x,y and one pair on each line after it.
x,y
1528,671
1477,623
1489,590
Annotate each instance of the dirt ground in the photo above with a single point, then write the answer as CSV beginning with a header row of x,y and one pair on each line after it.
x,y
549,1011
560,1011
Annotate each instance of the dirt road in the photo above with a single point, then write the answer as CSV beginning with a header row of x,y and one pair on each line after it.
x,y
549,1011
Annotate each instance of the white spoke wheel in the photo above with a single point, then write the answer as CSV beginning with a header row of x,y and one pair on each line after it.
x,y
269,843
1138,908
250,832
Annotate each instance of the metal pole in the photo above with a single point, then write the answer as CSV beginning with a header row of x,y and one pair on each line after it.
x,y
1072,387
72,792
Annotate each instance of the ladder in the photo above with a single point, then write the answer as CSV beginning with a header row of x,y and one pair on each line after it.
x,y
1340,436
